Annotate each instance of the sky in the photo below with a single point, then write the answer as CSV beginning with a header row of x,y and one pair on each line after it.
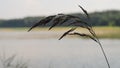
x,y
10,9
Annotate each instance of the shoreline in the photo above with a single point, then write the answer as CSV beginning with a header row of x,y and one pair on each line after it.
x,y
102,32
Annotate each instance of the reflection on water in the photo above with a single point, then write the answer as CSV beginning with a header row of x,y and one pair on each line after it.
x,y
66,53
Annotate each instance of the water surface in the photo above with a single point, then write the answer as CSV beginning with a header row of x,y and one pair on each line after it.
x,y
44,50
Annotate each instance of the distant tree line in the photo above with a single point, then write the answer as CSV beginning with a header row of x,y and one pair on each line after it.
x,y
105,18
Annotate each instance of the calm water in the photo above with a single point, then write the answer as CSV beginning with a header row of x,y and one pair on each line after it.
x,y
48,52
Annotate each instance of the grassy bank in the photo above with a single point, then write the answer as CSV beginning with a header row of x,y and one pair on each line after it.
x,y
102,32
108,32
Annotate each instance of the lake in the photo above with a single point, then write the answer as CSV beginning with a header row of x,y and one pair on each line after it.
x,y
44,50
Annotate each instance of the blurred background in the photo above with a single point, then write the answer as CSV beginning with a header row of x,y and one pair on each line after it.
x,y
43,48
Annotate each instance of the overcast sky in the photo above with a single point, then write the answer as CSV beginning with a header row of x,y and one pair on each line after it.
x,y
23,8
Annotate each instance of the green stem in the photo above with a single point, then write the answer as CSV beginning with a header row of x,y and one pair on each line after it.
x,y
104,55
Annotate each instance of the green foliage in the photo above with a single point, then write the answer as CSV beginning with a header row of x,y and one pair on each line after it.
x,y
111,23
105,18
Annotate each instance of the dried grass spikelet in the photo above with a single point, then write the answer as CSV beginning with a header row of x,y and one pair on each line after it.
x,y
72,20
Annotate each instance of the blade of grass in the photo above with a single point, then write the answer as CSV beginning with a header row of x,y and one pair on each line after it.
x,y
84,11
67,33
42,22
